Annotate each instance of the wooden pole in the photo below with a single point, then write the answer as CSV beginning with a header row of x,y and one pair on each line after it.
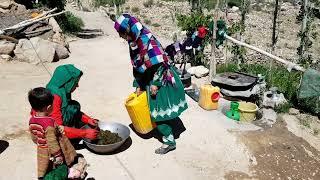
x,y
288,63
274,28
17,26
304,26
213,61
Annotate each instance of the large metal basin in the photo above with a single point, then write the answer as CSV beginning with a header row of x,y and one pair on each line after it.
x,y
122,130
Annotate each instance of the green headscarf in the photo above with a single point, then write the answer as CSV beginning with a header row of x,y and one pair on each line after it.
x,y
64,78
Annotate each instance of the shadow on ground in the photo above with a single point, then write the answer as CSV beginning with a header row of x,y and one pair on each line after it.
x,y
177,127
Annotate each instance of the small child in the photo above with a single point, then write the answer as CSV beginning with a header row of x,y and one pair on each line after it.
x,y
54,150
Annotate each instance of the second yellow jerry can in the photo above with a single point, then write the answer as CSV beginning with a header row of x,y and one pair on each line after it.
x,y
138,110
209,97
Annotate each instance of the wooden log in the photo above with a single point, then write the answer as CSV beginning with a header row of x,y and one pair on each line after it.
x,y
18,26
40,16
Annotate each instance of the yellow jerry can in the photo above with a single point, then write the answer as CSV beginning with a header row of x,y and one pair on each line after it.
x,y
209,97
138,110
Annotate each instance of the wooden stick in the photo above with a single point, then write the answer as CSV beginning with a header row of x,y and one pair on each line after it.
x,y
8,38
288,63
213,61
40,16
32,22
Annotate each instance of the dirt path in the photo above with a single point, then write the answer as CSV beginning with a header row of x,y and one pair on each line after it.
x,y
206,150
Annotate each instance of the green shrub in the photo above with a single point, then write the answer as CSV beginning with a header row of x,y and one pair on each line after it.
x,y
70,23
156,25
147,21
59,4
191,22
135,9
148,3
98,3
284,108
232,3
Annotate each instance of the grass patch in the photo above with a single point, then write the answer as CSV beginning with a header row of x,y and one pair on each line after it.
x,y
156,25
98,3
148,3
70,23
135,9
147,21
284,108
305,123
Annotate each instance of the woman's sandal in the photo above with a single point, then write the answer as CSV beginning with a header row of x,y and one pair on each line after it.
x,y
164,149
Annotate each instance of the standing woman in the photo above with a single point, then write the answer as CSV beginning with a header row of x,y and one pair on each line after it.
x,y
153,74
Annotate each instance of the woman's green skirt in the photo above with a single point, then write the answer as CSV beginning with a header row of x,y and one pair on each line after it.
x,y
169,101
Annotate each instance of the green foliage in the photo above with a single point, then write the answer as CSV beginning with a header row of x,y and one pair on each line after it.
x,y
148,3
60,4
70,23
283,108
135,9
232,3
147,21
98,3
191,22
308,35
305,122
156,25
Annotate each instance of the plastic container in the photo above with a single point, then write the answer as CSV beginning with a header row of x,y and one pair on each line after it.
x,y
209,97
247,111
138,110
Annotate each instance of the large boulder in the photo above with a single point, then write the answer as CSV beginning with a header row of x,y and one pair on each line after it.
x,y
5,57
6,47
55,26
35,50
61,51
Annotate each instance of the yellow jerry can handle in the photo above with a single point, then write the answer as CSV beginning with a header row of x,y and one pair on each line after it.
x,y
131,97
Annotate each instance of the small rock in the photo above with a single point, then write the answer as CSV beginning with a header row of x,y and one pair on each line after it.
x,y
6,4
5,57
285,6
234,9
293,111
61,51
6,47
35,50
55,26
4,11
198,71
18,8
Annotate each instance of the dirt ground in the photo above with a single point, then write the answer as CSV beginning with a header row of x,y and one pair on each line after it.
x,y
279,154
